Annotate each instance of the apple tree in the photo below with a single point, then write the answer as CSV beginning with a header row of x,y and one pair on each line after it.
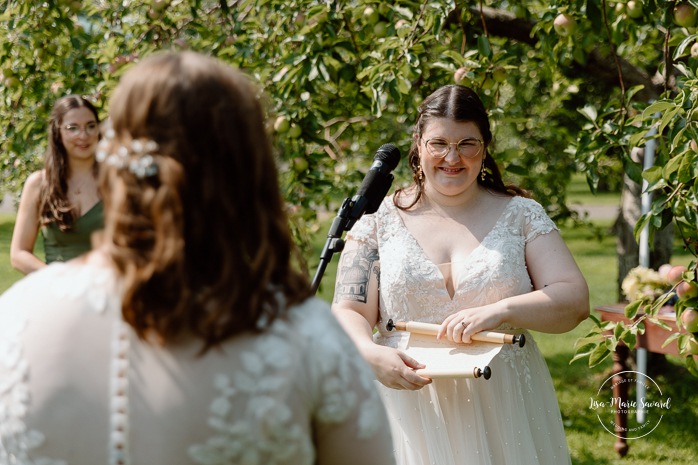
x,y
571,85
340,78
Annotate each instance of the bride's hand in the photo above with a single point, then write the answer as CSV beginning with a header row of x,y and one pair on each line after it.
x,y
394,368
459,326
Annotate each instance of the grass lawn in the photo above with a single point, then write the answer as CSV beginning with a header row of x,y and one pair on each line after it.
x,y
8,275
674,441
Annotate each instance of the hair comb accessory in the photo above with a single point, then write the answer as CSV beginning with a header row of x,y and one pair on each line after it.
x,y
137,156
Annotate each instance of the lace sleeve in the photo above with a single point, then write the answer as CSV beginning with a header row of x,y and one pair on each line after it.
x,y
365,231
349,419
536,220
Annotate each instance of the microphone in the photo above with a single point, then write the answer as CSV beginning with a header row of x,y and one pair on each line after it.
x,y
368,198
375,185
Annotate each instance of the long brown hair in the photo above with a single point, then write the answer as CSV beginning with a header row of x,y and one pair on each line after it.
x,y
53,201
459,103
203,244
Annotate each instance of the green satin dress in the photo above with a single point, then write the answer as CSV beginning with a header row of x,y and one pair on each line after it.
x,y
61,246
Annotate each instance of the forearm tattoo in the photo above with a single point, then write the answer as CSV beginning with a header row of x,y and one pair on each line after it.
x,y
354,274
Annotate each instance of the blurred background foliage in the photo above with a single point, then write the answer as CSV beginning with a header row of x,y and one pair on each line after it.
x,y
340,78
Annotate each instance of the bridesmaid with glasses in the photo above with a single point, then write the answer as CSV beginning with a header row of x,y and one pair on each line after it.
x,y
61,201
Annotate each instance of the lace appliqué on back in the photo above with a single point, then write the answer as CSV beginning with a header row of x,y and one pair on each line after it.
x,y
265,430
264,433
17,440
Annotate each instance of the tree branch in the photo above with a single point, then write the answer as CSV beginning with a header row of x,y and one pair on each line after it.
x,y
599,66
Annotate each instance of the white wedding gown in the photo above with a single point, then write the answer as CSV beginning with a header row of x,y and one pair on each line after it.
x,y
78,388
512,418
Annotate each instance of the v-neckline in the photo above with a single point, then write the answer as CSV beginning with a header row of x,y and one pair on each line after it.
x,y
88,210
434,266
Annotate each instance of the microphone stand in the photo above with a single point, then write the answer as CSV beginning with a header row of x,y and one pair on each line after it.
x,y
347,215
371,193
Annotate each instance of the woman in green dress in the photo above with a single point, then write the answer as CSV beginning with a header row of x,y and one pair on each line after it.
x,y
61,201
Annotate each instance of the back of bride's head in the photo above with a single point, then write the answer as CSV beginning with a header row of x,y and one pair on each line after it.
x,y
194,220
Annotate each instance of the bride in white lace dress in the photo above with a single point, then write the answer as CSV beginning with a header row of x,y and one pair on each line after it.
x,y
187,336
462,250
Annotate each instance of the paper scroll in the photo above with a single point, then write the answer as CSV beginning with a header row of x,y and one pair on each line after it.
x,y
447,359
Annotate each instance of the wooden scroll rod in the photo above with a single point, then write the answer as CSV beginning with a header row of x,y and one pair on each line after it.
x,y
431,329
477,372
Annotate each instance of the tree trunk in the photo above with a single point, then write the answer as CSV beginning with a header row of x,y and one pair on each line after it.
x,y
627,246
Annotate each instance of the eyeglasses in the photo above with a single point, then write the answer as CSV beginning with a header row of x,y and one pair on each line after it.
x,y
467,148
74,130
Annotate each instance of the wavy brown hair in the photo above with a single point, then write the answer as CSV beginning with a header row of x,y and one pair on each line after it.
x,y
459,103
204,245
53,201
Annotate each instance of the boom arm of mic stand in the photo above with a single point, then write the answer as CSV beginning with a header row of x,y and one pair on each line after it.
x,y
334,243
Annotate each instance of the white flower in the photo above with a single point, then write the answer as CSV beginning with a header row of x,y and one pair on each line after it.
x,y
641,282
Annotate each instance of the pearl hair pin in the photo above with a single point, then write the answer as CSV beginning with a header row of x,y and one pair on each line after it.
x,y
137,157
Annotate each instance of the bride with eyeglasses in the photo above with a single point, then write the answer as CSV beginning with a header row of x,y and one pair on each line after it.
x,y
61,201
461,249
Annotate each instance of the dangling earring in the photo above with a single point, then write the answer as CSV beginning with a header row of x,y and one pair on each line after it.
x,y
483,171
420,175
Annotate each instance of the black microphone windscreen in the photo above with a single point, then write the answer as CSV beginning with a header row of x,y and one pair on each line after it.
x,y
389,155
374,188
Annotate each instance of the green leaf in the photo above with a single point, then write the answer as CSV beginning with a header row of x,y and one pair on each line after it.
x,y
660,323
595,319
590,112
598,355
671,339
671,167
584,352
652,174
632,309
667,118
685,172
483,46
612,342
659,106
681,48
593,337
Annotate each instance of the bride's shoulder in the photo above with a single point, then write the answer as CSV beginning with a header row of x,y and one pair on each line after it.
x,y
525,205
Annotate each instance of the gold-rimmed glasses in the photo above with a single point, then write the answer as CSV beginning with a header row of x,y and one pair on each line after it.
x,y
439,147
74,130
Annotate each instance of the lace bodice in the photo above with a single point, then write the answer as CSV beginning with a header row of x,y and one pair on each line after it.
x,y
413,288
75,383
510,419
